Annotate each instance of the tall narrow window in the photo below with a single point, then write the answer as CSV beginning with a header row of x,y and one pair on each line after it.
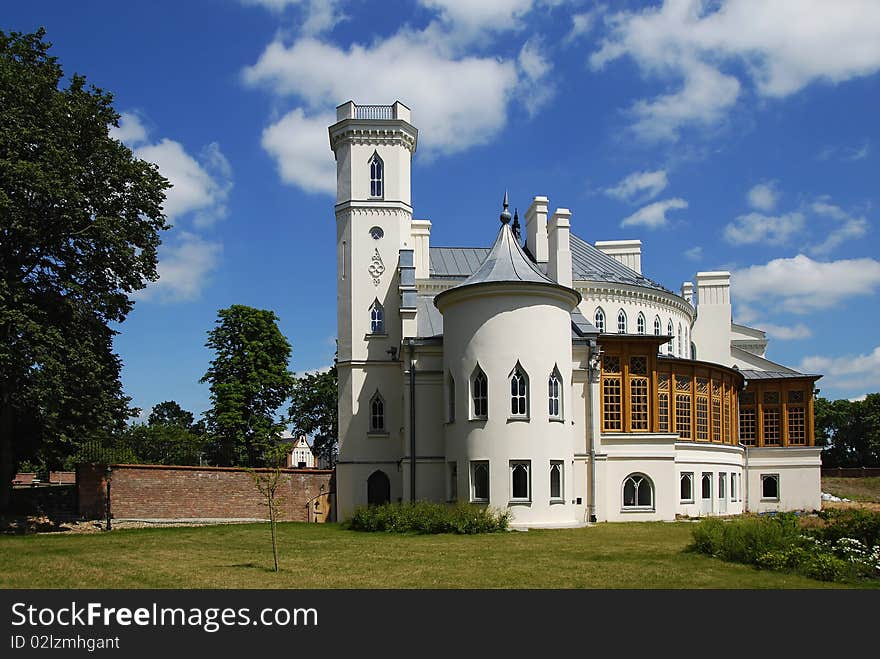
x,y
520,480
680,354
480,394
771,426
621,322
612,391
556,480
640,323
657,330
377,176
519,392
450,393
670,330
687,344
600,319
377,318
748,419
377,413
687,486
663,401
702,388
796,418
683,407
638,393
554,394
480,481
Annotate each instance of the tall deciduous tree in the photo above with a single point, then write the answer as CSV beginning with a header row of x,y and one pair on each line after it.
x,y
79,228
850,430
249,380
313,411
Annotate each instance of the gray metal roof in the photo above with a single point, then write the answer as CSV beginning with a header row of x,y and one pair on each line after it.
x,y
750,374
506,262
580,326
587,264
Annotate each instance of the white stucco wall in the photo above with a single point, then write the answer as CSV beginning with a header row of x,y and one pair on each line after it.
x,y
799,470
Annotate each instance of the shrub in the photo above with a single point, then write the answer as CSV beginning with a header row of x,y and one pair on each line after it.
x,y
745,540
857,523
425,517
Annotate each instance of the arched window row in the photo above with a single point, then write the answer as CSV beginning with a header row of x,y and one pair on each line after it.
x,y
519,481
518,390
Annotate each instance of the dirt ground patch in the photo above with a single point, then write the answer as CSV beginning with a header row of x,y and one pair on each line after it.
x,y
42,524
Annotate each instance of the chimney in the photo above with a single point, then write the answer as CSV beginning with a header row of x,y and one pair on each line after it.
x,y
536,229
421,241
687,292
711,332
559,262
626,252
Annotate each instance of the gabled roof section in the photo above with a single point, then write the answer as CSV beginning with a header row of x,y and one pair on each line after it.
x,y
760,363
750,374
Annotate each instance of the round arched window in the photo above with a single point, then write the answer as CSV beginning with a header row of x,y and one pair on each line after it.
x,y
638,492
376,233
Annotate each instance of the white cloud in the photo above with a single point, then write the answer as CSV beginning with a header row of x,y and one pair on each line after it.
x,y
200,187
854,372
581,24
319,15
694,253
763,196
858,399
298,143
472,17
850,227
653,215
470,110
802,285
535,90
184,267
784,333
131,129
767,229
781,46
637,184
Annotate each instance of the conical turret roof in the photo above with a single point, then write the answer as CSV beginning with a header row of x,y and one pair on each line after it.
x,y
506,261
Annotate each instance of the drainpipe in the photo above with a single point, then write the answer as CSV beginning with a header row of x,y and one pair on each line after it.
x,y
593,368
746,478
412,420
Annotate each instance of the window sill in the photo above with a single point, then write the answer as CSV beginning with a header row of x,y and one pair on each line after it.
x,y
478,418
687,501
514,419
554,419
479,501
641,509
378,335
519,502
554,502
377,434
770,499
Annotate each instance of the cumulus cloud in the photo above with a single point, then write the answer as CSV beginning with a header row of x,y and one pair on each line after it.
x,y
471,109
767,229
184,266
780,47
849,227
131,129
763,196
644,185
471,18
535,89
802,285
318,15
852,372
298,143
653,215
581,24
785,333
201,186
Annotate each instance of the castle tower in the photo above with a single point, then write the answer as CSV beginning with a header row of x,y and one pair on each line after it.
x,y
373,145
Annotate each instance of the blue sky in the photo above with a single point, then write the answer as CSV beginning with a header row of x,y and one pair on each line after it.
x,y
738,135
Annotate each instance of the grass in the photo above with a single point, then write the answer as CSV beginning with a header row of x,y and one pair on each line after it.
x,y
647,555
856,489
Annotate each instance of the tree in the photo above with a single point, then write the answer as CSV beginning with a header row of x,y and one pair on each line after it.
x,y
850,430
313,412
169,437
249,381
80,218
268,484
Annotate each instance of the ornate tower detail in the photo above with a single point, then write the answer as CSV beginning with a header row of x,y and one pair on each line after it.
x,y
373,146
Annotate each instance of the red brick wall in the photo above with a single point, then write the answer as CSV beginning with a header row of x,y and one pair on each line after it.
x,y
162,492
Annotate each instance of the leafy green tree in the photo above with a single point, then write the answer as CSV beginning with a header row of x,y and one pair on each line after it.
x,y
169,437
313,412
850,430
249,380
170,413
80,218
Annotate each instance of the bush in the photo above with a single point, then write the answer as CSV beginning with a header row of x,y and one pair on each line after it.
x,y
425,517
857,523
745,540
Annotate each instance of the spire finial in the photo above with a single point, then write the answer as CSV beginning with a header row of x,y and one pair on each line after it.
x,y
505,214
516,226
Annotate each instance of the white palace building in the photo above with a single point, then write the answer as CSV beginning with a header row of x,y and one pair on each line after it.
x,y
544,374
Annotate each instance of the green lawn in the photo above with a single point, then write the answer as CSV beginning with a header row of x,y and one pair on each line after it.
x,y
327,556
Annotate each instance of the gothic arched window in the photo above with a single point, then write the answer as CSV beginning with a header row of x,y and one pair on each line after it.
x,y
680,354
600,319
554,394
377,318
640,323
377,413
670,330
479,394
519,392
377,176
621,322
638,492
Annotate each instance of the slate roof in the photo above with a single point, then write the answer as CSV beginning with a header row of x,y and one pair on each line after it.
x,y
587,264
750,374
507,262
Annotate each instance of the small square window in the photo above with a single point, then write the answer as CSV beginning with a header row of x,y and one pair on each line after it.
x,y
770,486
